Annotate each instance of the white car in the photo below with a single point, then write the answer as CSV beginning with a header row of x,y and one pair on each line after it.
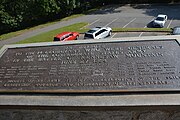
x,y
160,21
98,33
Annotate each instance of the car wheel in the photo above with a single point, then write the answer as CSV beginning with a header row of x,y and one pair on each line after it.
x,y
77,37
110,33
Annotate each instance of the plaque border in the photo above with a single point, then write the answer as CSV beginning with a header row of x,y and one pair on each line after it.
x,y
78,42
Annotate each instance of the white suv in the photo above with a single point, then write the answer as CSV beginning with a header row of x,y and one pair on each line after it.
x,y
160,21
98,33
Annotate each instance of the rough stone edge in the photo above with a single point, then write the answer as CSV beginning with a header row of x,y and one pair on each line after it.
x,y
123,39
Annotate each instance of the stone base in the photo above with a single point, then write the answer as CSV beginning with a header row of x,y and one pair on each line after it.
x,y
92,113
90,107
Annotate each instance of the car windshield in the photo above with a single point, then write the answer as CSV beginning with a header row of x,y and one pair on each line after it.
x,y
56,39
160,18
88,36
62,38
91,31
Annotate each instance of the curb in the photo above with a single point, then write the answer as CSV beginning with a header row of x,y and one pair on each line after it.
x,y
143,31
137,31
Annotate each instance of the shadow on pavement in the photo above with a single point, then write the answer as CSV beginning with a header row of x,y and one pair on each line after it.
x,y
150,24
108,9
171,10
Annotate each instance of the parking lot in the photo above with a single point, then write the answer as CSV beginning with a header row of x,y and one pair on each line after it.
x,y
134,16
116,16
138,16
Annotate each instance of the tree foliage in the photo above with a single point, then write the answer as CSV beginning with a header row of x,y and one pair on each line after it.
x,y
19,14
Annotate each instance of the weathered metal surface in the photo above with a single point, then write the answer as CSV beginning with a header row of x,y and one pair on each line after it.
x,y
96,67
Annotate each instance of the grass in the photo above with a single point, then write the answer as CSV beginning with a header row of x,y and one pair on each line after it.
x,y
48,36
70,17
12,34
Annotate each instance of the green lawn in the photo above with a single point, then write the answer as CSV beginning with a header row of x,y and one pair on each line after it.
x,y
48,36
12,34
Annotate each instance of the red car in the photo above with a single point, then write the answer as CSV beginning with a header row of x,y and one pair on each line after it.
x,y
64,36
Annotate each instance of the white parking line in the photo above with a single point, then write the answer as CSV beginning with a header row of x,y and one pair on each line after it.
x,y
152,19
146,26
143,32
111,22
129,23
94,22
113,35
170,23
90,23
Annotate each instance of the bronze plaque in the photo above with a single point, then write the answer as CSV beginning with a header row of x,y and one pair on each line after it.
x,y
92,67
